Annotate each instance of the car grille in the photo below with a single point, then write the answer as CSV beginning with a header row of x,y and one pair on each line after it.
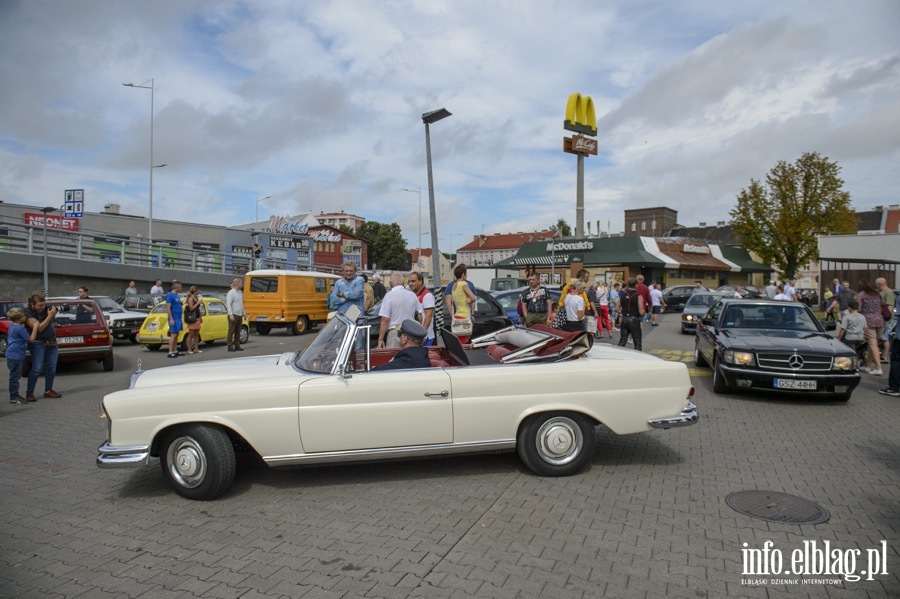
x,y
130,323
788,362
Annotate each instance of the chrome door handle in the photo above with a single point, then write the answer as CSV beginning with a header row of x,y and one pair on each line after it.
x,y
444,393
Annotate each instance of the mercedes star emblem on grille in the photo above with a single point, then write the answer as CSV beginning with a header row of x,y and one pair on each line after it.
x,y
795,362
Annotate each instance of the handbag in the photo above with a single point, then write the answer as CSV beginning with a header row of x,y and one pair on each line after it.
x,y
191,316
461,326
886,312
559,321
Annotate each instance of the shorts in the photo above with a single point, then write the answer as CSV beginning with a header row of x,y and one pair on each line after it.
x,y
657,309
873,333
177,327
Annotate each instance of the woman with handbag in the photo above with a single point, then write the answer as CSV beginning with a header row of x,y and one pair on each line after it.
x,y
870,307
194,320
461,301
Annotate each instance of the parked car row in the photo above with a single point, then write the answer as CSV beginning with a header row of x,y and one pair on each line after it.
x,y
82,332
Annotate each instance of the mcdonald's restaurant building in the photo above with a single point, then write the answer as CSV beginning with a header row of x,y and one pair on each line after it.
x,y
668,261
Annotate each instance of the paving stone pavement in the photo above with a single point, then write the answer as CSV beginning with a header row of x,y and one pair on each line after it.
x,y
647,519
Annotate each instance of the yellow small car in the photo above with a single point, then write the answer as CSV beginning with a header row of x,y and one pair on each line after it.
x,y
155,330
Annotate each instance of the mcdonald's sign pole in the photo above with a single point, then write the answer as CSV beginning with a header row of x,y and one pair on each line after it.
x,y
580,118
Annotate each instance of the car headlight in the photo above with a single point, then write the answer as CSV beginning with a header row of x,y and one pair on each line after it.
x,y
687,318
845,363
740,358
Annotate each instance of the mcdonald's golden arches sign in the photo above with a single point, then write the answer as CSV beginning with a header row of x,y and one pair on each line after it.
x,y
580,116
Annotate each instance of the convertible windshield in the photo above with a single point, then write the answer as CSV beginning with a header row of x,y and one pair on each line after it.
x,y
323,351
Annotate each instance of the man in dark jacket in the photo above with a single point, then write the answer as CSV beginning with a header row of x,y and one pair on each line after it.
x,y
413,355
378,288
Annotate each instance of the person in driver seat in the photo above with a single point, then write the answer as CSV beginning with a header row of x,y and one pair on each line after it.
x,y
412,354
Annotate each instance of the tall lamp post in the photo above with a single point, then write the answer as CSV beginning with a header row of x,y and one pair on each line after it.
x,y
152,166
258,200
46,211
428,118
418,190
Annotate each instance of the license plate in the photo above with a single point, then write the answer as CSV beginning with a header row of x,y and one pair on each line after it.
x,y
70,340
258,318
152,326
795,384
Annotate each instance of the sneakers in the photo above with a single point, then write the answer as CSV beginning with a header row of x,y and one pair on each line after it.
x,y
52,394
863,369
174,354
18,399
876,372
889,391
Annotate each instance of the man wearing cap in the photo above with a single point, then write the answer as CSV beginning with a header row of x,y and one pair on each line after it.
x,y
413,355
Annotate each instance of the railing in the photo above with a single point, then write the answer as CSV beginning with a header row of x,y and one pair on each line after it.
x,y
104,247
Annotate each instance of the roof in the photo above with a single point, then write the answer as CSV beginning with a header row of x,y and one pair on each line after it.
x,y
721,233
647,251
505,241
272,272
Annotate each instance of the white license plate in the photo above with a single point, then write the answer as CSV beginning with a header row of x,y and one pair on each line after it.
x,y
795,384
70,340
152,326
258,318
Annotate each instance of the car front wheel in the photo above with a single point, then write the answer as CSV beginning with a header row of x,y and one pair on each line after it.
x,y
556,444
699,360
719,384
245,334
198,461
263,329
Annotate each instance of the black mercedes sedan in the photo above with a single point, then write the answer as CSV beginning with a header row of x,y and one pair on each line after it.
x,y
774,346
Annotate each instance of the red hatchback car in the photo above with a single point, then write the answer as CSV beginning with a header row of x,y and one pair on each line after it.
x,y
81,333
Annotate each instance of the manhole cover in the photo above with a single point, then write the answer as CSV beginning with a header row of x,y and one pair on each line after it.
x,y
777,507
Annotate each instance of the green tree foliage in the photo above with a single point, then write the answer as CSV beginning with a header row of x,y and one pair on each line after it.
x,y
387,248
563,227
781,219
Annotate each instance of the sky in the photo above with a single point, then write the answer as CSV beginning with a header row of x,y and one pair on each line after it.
x,y
318,105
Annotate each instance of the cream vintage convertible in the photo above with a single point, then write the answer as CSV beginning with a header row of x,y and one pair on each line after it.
x,y
538,391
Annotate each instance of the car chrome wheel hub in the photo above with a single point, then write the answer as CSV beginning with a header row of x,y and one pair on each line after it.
x,y
187,463
559,440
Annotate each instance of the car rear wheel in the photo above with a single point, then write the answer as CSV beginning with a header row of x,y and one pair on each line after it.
x,y
132,338
300,326
263,329
198,461
556,443
245,334
2,345
153,346
108,363
719,384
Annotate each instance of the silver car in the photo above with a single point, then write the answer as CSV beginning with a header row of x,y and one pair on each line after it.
x,y
698,305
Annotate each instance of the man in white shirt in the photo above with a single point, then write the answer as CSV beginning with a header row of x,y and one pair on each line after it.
x,y
398,305
790,291
656,304
234,302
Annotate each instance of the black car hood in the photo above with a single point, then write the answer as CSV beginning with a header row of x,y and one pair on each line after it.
x,y
767,340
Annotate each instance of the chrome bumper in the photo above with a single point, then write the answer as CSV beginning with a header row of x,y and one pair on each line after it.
x,y
687,417
122,457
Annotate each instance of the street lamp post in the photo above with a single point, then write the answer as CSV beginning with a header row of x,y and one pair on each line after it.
x,y
428,118
152,166
258,200
418,190
46,211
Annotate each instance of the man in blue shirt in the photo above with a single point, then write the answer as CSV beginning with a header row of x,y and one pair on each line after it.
x,y
173,312
349,291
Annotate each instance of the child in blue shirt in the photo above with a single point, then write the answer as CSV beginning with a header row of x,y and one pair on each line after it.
x,y
18,339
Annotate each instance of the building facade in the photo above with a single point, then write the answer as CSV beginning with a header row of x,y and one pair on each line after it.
x,y
487,250
337,219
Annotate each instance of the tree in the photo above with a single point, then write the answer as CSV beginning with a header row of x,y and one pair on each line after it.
x,y
781,220
563,227
387,247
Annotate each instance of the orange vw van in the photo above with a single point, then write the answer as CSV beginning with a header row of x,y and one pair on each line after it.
x,y
291,299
